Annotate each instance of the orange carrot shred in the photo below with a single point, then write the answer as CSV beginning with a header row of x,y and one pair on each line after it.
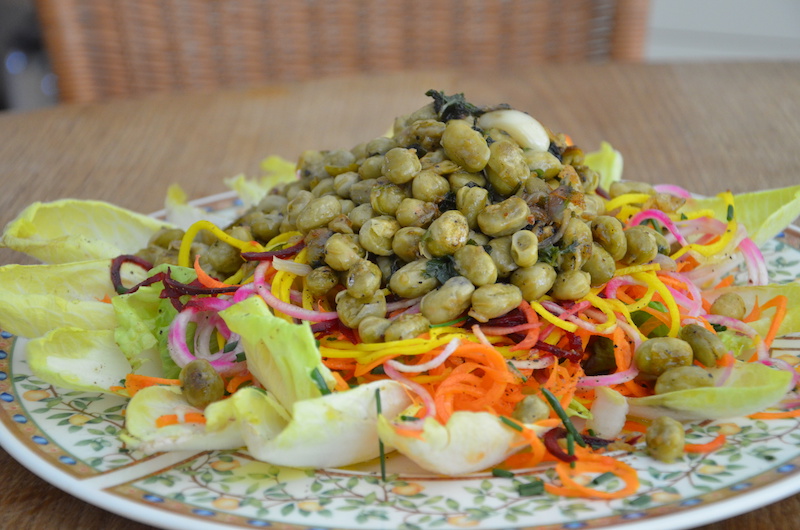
x,y
708,447
775,415
204,278
172,419
136,382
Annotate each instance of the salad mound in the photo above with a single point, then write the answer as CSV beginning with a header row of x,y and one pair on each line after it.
x,y
472,291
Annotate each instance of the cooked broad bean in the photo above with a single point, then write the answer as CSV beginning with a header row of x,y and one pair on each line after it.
x,y
571,285
577,242
201,384
601,359
465,146
372,329
525,248
504,218
414,212
412,280
506,170
707,347
500,252
341,224
321,280
665,439
377,233
729,305
323,187
471,201
360,215
224,258
342,251
448,301
657,355
446,234
474,263
642,245
535,281
363,279
296,205
531,409
608,232
386,197
600,265
166,237
400,165
318,212
371,168
459,179
344,182
406,243
683,378
380,145
543,163
315,241
429,186
494,300
361,191
628,186
407,327
353,310
272,203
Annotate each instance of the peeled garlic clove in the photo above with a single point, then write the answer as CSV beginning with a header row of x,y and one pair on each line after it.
x,y
523,128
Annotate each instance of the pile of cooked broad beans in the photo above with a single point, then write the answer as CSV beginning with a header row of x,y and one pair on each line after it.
x,y
466,209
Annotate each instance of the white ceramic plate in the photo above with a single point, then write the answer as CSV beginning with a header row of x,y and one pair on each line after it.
x,y
70,439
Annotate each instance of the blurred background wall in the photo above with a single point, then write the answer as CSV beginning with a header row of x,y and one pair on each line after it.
x,y
679,30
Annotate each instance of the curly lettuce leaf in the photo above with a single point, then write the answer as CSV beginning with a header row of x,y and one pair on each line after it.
x,y
35,299
751,388
608,162
76,230
764,213
469,442
143,319
283,356
151,403
80,359
333,430
276,171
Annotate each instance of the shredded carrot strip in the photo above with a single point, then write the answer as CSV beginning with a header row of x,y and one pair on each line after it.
x,y
203,277
532,336
341,384
779,303
775,415
755,313
172,419
237,381
727,281
136,382
591,463
634,426
709,447
726,360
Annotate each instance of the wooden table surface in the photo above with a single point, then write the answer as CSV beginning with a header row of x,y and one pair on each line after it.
x,y
703,126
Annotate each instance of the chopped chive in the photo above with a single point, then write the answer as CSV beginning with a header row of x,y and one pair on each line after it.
x,y
503,473
403,417
241,357
729,217
534,487
381,449
571,447
445,324
599,479
316,376
719,327
511,423
230,347
683,217
559,410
